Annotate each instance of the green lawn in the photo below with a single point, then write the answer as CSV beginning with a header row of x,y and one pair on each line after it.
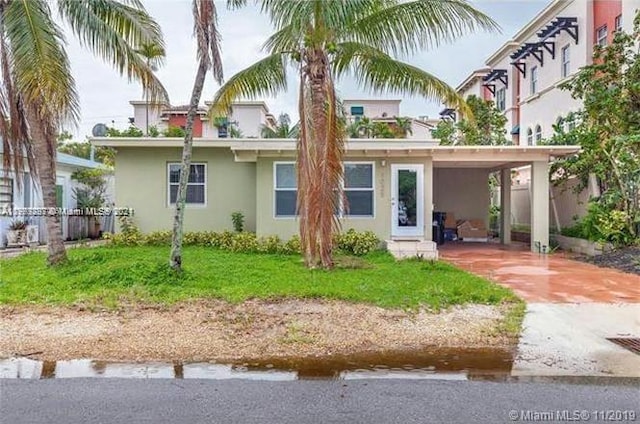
x,y
110,276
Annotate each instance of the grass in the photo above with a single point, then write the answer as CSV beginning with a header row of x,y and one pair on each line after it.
x,y
114,276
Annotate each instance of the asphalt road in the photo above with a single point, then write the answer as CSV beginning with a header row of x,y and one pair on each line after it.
x,y
107,401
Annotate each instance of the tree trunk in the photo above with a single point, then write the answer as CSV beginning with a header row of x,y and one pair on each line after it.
x,y
319,167
44,147
175,258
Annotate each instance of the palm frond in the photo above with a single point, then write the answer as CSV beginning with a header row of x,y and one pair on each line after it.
x,y
264,78
405,27
379,72
153,53
39,62
205,28
114,30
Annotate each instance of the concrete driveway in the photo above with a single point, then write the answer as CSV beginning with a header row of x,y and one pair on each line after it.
x,y
573,308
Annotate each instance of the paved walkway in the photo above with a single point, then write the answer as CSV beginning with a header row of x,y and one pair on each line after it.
x,y
572,309
544,278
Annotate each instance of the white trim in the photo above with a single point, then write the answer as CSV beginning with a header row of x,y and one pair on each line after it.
x,y
565,64
205,184
418,231
372,190
276,189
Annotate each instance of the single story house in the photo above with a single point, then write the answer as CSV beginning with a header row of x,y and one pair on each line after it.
x,y
392,186
28,195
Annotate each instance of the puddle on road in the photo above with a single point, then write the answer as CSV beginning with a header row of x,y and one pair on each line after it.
x,y
458,364
440,364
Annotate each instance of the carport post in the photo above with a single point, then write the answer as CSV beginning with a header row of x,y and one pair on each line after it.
x,y
428,199
539,205
505,206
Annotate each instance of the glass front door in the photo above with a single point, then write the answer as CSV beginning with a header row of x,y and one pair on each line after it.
x,y
407,200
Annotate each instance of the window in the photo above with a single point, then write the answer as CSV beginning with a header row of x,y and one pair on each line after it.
x,y
538,134
534,80
59,195
560,124
6,193
223,127
566,61
529,137
601,36
286,185
501,99
357,110
358,189
196,185
618,23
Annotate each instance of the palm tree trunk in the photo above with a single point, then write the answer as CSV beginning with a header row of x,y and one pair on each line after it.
x,y
175,259
318,165
44,147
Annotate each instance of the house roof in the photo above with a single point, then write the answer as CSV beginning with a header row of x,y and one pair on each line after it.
x,y
70,160
249,149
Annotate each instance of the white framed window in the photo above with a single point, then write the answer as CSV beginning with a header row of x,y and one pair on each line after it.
x,y
6,192
601,36
359,191
565,60
538,134
196,185
285,184
501,99
529,137
358,188
534,80
618,24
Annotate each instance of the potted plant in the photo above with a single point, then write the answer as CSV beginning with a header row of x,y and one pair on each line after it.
x,y
17,233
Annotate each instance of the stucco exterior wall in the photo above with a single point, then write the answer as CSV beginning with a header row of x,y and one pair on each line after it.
x,y
380,223
374,108
141,178
250,119
549,102
463,192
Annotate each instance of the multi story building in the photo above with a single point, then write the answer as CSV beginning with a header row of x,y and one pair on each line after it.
x,y
387,110
247,117
523,77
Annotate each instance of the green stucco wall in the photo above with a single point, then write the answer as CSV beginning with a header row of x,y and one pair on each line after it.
x,y
141,183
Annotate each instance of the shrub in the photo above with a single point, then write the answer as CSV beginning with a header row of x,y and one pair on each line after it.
x,y
237,218
357,243
350,243
244,242
292,246
270,244
173,131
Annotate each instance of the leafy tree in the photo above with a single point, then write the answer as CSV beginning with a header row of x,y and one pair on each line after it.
x,y
82,149
283,129
403,127
362,127
205,23
324,41
487,128
38,93
174,131
608,130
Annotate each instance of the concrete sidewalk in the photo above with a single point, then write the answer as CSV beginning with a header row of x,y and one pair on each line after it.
x,y
572,308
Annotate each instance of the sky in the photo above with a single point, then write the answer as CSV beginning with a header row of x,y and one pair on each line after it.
x,y
105,95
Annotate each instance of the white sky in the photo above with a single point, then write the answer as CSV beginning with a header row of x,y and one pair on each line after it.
x,y
105,95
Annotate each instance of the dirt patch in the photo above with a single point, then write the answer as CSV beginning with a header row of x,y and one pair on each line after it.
x,y
215,330
626,260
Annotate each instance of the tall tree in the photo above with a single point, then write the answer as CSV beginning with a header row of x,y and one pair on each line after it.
x,y
208,52
282,130
38,93
327,40
488,128
153,54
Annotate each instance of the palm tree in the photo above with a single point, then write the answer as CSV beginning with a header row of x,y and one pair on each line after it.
x,y
208,52
282,130
403,127
154,55
324,41
38,93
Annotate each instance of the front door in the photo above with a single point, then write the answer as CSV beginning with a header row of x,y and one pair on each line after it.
x,y
407,201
